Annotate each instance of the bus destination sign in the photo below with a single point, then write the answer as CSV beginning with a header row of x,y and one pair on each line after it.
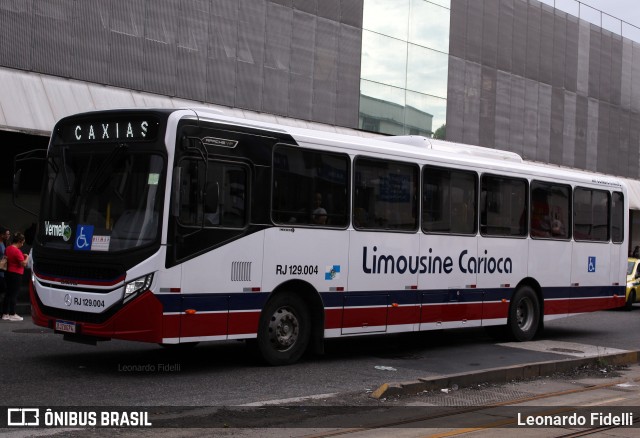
x,y
134,129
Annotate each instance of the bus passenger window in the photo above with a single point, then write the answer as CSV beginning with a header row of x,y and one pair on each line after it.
x,y
591,214
310,187
449,201
503,206
385,195
550,210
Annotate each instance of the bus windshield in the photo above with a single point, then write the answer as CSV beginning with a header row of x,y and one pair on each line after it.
x,y
101,198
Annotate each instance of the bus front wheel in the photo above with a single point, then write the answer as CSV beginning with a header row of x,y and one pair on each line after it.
x,y
524,314
284,330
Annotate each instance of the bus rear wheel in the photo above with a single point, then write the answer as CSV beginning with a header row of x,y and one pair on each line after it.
x,y
524,314
284,330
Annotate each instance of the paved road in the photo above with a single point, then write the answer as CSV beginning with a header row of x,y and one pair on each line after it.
x,y
38,367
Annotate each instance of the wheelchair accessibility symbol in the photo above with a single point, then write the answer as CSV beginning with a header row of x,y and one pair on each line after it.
x,y
84,235
592,265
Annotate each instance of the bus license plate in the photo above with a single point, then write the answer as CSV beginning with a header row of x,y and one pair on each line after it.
x,y
66,326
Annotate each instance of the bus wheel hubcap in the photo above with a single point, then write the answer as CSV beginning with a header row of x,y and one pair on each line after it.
x,y
283,328
524,314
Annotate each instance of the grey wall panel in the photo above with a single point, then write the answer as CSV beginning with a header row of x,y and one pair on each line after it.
x,y
310,6
351,12
582,133
612,143
225,46
622,154
90,44
490,33
250,78
287,3
533,41
531,130
250,54
616,69
473,45
191,75
126,61
634,145
278,37
329,9
517,112
301,71
626,74
502,111
160,47
635,78
455,99
300,96
571,54
559,58
16,33
602,162
277,59
275,93
592,134
519,60
471,131
348,86
458,34
584,50
547,25
595,56
505,35
52,27
605,66
192,50
302,43
160,67
543,152
487,108
569,129
126,54
325,72
557,125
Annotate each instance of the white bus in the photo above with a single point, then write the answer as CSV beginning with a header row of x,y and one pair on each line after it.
x,y
182,226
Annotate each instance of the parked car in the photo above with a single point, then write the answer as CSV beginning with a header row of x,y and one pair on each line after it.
x,y
633,282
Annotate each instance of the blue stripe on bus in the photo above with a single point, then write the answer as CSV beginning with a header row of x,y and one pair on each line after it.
x,y
255,301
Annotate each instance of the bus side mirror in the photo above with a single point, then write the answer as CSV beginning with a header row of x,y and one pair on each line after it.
x,y
175,191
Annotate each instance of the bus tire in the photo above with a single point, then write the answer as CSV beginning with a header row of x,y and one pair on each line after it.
x,y
524,314
284,330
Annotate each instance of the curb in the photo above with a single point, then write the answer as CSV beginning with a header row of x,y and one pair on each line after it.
x,y
499,375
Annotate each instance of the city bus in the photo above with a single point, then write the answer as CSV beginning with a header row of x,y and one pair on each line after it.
x,y
182,226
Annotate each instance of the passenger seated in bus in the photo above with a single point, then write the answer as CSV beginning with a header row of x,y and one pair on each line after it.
x,y
319,215
540,220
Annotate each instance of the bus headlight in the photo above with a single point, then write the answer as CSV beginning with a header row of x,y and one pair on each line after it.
x,y
133,288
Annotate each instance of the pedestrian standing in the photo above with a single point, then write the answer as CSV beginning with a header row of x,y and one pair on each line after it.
x,y
16,261
4,241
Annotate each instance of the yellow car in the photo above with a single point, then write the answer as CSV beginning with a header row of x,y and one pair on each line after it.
x,y
633,282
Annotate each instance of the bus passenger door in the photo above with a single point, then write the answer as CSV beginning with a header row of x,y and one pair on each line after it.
x,y
447,284
385,265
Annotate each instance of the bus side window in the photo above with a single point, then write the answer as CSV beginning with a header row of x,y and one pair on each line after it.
x,y
387,192
310,187
503,206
